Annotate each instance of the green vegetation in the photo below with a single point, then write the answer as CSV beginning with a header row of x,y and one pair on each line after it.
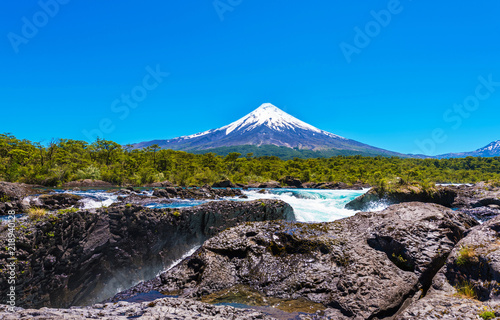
x,y
176,214
36,213
68,210
466,255
487,315
67,160
466,290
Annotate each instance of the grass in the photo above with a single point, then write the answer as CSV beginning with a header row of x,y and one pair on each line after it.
x,y
466,290
37,213
466,255
69,210
487,315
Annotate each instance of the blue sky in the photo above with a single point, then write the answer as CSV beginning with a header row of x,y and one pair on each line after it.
x,y
66,66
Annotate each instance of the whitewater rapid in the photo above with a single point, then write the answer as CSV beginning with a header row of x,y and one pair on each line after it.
x,y
309,205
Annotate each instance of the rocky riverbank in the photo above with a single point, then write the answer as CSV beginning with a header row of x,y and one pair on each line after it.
x,y
482,201
77,258
363,267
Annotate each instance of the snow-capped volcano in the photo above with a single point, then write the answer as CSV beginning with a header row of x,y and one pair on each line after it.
x,y
491,150
269,116
266,125
272,117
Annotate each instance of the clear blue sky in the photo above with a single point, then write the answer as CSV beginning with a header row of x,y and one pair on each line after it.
x,y
83,56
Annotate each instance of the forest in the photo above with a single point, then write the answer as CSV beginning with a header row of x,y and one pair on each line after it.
x,y
67,160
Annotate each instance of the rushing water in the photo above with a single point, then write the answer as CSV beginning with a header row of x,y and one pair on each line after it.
x,y
310,205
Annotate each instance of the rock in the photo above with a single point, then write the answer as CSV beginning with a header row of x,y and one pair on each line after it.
x,y
336,185
203,193
165,308
362,267
291,181
223,184
11,197
83,257
162,184
440,195
270,184
88,183
469,282
56,201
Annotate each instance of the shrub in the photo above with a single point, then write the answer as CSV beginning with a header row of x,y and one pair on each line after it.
x,y
466,255
36,213
90,172
68,210
465,289
487,315
176,214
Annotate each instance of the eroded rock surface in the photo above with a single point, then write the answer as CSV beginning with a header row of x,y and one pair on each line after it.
x,y
362,267
11,197
468,285
83,257
167,308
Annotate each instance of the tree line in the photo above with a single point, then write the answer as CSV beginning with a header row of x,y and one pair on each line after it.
x,y
67,160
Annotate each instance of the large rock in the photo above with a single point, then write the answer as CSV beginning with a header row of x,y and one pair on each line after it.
x,y
223,184
480,200
88,183
440,195
362,267
202,193
291,182
56,201
469,283
12,195
84,257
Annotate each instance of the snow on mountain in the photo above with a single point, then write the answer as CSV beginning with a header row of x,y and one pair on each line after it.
x,y
491,150
266,125
266,115
492,147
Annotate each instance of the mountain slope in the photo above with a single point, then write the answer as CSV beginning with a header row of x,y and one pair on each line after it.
x,y
491,150
267,125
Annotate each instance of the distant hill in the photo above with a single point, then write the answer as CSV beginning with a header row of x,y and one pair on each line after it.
x,y
283,153
265,127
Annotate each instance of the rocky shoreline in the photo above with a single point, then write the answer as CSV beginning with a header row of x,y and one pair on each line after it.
x,y
82,257
414,260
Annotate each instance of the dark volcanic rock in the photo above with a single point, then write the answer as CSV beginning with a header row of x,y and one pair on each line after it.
x,y
88,183
11,196
160,184
224,184
203,193
166,308
440,195
83,257
335,185
58,200
473,267
361,267
291,181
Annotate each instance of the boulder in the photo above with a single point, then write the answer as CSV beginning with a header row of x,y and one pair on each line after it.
x,y
55,201
203,193
83,257
88,183
468,284
224,184
12,195
162,184
408,193
291,181
363,267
